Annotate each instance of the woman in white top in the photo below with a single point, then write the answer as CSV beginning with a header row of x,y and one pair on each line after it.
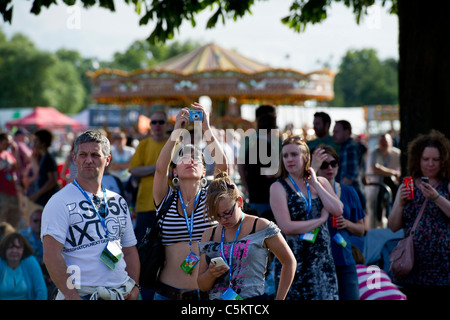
x,y
186,218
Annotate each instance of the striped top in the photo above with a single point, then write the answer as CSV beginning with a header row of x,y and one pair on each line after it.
x,y
174,227
375,284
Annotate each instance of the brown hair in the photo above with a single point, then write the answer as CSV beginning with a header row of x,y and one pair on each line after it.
x,y
416,147
282,172
9,239
220,188
330,150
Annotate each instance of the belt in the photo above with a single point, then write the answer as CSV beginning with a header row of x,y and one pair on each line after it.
x,y
179,294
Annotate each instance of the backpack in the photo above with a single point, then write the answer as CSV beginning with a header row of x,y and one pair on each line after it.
x,y
151,250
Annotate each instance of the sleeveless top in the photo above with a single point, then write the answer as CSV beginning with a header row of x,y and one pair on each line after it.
x,y
174,227
250,262
315,277
431,240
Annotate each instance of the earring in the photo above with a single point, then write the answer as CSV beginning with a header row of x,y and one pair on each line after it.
x,y
175,182
203,182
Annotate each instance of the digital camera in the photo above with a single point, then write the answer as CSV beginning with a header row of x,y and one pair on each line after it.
x,y
195,115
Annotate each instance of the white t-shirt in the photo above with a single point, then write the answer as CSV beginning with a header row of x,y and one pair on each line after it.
x,y
71,220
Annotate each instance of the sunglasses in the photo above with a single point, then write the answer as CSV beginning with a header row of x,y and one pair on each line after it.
x,y
226,215
161,122
325,164
100,206
188,158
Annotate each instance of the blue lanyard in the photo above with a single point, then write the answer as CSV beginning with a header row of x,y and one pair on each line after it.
x,y
189,221
308,201
102,220
222,251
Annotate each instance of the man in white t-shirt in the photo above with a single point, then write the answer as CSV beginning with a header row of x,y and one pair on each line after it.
x,y
384,167
87,234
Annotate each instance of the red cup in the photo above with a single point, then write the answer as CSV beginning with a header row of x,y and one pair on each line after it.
x,y
334,223
409,185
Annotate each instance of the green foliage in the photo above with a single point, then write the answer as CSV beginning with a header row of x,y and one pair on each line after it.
x,y
30,77
168,14
363,79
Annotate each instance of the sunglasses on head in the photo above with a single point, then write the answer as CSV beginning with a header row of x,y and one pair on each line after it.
x,y
325,164
161,122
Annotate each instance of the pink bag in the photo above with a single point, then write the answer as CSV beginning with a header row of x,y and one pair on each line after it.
x,y
402,257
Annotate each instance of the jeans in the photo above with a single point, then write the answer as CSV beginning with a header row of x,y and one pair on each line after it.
x,y
347,282
157,296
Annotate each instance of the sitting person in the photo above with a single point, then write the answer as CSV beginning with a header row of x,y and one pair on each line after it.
x,y
374,283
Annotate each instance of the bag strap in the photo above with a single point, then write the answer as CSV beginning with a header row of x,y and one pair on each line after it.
x,y
419,216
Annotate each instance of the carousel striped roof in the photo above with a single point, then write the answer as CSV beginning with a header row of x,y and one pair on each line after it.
x,y
211,57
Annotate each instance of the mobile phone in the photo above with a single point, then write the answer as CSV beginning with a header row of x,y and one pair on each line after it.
x,y
219,262
426,179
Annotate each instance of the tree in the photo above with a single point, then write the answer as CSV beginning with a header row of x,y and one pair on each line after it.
x,y
424,61
363,79
30,77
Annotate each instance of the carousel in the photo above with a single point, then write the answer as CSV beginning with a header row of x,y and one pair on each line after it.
x,y
226,77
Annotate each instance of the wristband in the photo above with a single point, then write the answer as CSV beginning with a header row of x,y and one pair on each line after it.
x,y
436,197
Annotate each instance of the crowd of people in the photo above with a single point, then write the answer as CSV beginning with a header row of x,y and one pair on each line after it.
x,y
239,228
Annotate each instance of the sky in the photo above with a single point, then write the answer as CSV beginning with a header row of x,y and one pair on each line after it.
x,y
99,33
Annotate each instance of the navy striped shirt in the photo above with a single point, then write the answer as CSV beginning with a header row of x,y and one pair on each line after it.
x,y
174,227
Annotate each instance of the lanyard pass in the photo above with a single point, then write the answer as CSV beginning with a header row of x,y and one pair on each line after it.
x,y
189,220
300,194
222,251
102,220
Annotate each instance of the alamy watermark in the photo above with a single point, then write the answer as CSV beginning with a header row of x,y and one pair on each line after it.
x,y
255,147
374,281
74,279
73,21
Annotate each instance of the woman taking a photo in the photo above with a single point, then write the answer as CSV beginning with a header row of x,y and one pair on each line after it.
x,y
186,219
243,244
301,203
428,156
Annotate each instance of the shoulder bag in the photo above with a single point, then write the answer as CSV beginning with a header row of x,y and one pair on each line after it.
x,y
402,257
151,251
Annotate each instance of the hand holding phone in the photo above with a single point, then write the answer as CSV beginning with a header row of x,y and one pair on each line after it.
x,y
219,262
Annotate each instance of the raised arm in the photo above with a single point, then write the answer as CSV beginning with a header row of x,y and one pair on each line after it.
x,y
165,157
278,203
213,146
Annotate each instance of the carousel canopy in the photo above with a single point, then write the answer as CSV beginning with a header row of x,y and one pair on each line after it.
x,y
210,71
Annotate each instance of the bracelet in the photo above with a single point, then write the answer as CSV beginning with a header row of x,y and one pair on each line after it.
x,y
436,197
138,286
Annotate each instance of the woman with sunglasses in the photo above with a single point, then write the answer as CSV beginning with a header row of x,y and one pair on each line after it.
x,y
301,203
243,244
325,161
185,219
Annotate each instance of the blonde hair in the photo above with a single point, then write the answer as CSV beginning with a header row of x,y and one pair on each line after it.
x,y
220,188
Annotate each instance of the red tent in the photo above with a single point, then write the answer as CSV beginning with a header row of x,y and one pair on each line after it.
x,y
45,117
